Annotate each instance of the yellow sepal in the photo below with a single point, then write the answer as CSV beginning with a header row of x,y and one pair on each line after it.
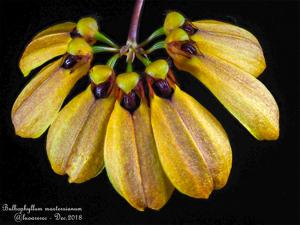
x,y
42,49
39,103
75,140
230,43
131,159
57,28
240,93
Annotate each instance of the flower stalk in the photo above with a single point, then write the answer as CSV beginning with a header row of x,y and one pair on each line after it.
x,y
144,60
99,49
157,33
129,67
103,38
156,46
113,60
135,20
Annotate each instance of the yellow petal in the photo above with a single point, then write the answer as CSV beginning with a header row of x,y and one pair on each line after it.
x,y
38,104
87,158
131,159
183,162
57,28
65,129
230,43
207,133
75,139
214,26
37,81
42,49
242,94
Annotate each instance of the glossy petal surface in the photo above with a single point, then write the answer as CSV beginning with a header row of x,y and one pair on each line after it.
x,y
38,104
192,145
42,49
241,93
131,160
57,28
76,138
231,44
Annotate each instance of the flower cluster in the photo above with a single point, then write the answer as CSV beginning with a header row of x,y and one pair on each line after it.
x,y
149,135
226,59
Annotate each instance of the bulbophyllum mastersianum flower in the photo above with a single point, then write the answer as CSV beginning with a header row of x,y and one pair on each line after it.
x,y
75,140
230,43
192,145
151,136
130,153
38,104
226,59
54,41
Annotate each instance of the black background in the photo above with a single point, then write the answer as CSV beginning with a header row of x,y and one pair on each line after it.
x,y
263,187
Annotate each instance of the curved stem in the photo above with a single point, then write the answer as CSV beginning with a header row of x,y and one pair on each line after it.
x,y
103,38
135,19
113,60
158,32
98,49
129,67
144,60
156,46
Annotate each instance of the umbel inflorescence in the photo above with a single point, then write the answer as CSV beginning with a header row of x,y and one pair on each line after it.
x,y
149,135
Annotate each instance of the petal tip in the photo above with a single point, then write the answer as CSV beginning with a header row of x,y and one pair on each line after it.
x,y
72,180
22,67
271,135
24,132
